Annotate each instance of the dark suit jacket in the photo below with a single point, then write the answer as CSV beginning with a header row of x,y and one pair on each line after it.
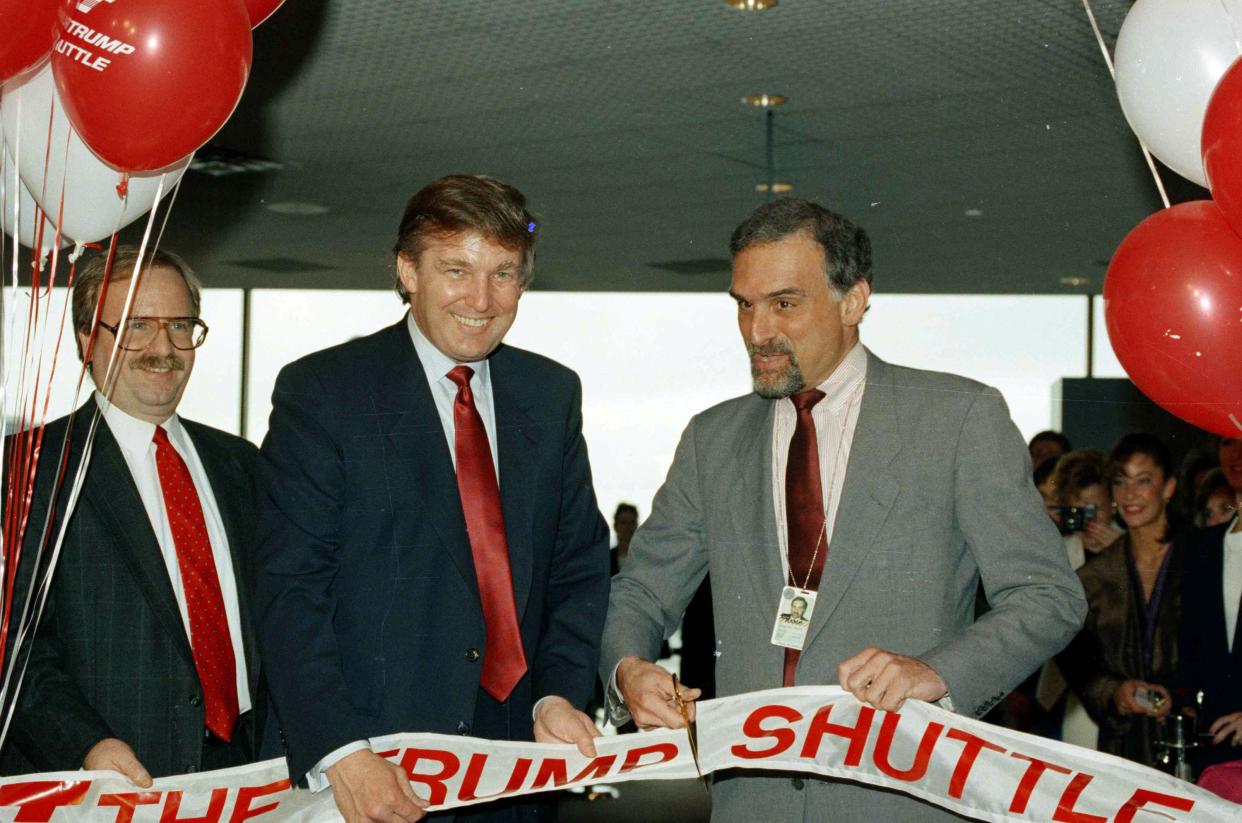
x,y
368,601
1109,649
111,657
1208,664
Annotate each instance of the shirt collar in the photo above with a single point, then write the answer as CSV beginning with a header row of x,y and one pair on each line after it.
x,y
436,364
845,379
135,435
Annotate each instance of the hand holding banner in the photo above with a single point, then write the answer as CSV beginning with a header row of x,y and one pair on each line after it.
x,y
973,768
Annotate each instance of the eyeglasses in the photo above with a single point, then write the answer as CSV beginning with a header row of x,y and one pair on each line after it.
x,y
184,333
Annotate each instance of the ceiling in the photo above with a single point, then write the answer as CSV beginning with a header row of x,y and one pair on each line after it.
x,y
622,123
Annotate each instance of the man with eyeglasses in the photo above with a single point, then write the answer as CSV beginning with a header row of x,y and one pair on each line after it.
x,y
145,660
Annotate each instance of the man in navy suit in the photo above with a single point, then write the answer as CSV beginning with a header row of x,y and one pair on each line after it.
x,y
1210,649
432,558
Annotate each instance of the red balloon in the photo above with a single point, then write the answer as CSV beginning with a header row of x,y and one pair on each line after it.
x,y
260,10
1222,145
1173,307
30,30
146,82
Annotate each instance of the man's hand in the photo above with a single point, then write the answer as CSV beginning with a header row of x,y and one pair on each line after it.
x,y
1227,727
369,789
115,755
885,680
1125,699
557,721
648,693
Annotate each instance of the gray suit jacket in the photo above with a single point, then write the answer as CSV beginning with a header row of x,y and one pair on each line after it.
x,y
937,496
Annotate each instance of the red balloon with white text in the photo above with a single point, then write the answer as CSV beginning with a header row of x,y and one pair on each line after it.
x,y
29,31
146,82
1173,307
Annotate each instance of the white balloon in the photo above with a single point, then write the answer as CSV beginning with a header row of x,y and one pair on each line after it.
x,y
1170,55
93,207
15,191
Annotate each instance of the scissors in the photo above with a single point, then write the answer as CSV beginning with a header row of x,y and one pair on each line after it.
x,y
691,730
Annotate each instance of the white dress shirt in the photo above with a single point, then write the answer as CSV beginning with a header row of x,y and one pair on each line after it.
x,y
136,439
836,418
1232,580
435,365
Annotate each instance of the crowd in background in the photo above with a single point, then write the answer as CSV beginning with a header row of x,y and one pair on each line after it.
x,y
1159,553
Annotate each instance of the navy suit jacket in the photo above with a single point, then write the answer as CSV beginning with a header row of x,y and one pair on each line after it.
x,y
1207,662
367,596
111,657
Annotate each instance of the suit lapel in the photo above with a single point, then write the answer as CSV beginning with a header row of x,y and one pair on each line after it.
x,y
416,423
516,437
230,487
751,507
869,491
112,493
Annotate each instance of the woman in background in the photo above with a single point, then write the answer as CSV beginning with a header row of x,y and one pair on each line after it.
x,y
1216,501
1122,663
1079,480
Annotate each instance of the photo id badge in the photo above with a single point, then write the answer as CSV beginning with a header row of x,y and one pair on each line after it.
x,y
793,617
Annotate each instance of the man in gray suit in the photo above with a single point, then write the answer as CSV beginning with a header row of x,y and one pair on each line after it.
x,y
881,494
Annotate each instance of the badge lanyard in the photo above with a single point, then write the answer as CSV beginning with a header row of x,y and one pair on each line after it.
x,y
796,605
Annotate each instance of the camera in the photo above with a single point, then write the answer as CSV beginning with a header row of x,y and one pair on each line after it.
x,y
1075,518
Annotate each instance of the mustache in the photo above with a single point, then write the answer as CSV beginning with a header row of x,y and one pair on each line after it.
x,y
774,347
150,361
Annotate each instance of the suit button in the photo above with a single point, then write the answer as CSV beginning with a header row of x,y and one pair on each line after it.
x,y
472,655
463,727
189,769
797,783
195,700
206,734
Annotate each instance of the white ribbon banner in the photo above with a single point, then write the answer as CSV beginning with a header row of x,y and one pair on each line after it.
x,y
973,768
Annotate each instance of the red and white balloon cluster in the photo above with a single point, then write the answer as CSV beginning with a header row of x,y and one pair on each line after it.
x,y
1173,293
104,102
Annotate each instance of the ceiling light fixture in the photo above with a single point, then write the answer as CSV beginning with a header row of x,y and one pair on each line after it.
x,y
777,188
764,101
751,5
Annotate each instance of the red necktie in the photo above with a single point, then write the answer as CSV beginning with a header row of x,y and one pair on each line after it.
x,y
209,626
804,508
505,660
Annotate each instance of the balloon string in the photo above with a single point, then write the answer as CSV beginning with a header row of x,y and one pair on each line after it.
x,y
40,585
1108,61
40,581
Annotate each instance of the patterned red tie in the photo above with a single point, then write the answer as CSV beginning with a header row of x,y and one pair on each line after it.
x,y
505,660
804,508
209,626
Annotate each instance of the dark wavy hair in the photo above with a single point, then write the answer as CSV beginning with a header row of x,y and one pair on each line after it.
x,y
1152,447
